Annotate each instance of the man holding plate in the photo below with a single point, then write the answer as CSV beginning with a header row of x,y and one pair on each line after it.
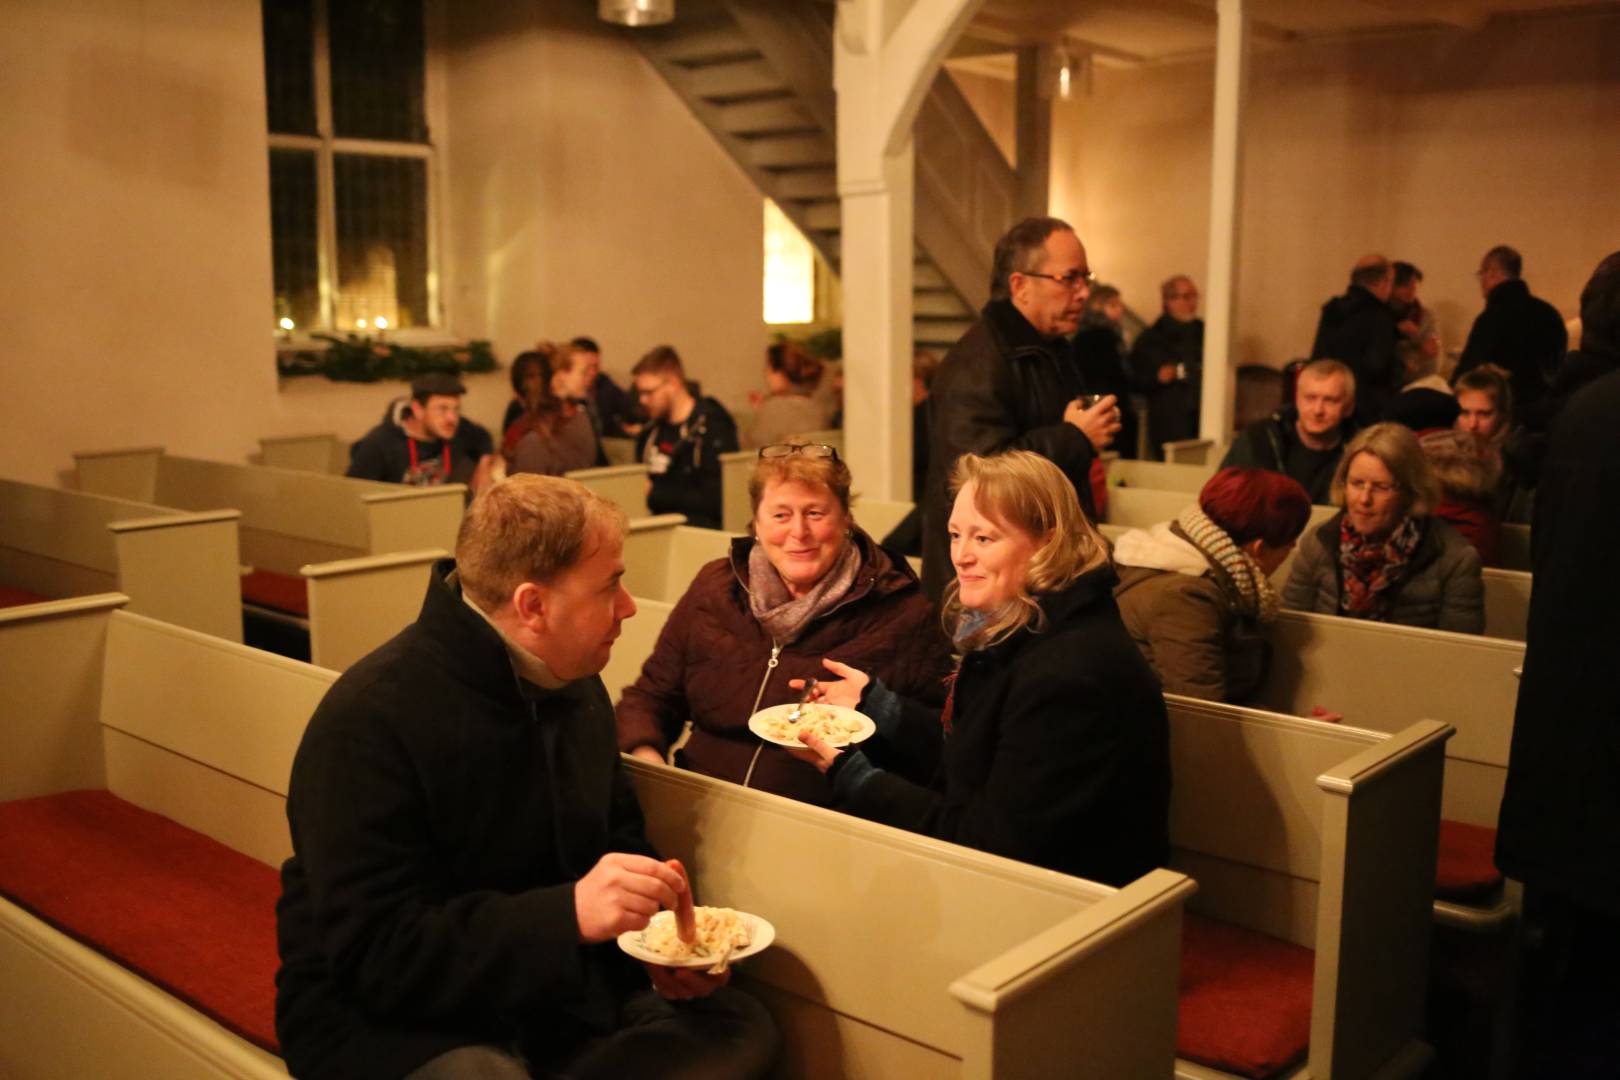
x,y
467,846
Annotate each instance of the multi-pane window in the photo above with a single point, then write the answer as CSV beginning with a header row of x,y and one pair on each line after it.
x,y
351,164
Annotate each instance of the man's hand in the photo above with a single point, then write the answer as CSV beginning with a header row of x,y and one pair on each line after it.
x,y
1099,423
685,984
846,691
1327,716
647,752
491,470
621,892
1167,374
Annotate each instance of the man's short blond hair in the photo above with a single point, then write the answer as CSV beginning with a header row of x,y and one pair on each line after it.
x,y
529,528
1329,369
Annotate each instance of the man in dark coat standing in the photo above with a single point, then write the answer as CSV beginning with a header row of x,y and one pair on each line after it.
x,y
1517,332
1167,363
1560,824
467,845
1012,381
1359,330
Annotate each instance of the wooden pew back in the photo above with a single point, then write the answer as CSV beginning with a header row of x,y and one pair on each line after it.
x,y
625,486
357,604
637,636
323,453
878,517
663,554
1507,603
182,567
1385,678
1323,835
884,927
736,468
289,517
1159,475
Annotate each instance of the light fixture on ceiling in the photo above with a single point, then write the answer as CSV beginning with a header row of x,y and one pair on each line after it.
x,y
1065,72
636,12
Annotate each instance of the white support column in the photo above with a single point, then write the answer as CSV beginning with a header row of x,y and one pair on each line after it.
x,y
885,54
1225,205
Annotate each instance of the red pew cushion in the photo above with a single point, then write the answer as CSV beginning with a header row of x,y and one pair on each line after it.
x,y
283,592
10,597
1466,867
1245,999
181,910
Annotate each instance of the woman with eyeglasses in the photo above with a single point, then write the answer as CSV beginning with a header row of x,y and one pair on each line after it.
x,y
1055,739
1385,556
808,583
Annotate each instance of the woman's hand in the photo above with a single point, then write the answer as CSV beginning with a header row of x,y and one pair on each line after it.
x,y
846,691
647,752
1325,715
817,752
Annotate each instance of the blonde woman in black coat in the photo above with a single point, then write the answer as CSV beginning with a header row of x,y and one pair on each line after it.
x,y
1055,736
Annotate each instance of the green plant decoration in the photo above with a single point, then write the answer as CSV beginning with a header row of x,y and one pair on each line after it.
x,y
361,358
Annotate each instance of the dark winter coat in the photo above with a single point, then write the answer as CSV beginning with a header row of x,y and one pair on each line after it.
x,y
1058,750
714,659
1173,406
1273,442
1100,351
1522,334
1442,589
1001,387
1561,811
687,457
384,453
441,810
1359,330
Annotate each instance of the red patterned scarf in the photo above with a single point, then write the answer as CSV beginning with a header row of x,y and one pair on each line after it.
x,y
1372,569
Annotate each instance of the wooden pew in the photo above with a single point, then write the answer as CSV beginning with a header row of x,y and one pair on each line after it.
x,y
625,486
1141,508
663,554
326,530
1386,677
178,566
888,928
878,517
619,451
1507,603
1158,475
1193,452
322,453
1325,836
735,469
995,969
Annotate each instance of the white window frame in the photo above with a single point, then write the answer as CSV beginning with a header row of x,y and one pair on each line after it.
x,y
325,145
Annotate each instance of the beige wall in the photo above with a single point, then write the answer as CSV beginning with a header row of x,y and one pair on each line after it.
x,y
1428,147
995,102
134,202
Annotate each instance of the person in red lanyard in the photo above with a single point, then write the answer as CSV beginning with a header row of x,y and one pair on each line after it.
x,y
423,449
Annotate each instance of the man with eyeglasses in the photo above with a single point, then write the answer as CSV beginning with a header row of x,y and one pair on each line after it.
x,y
1013,382
1167,362
682,441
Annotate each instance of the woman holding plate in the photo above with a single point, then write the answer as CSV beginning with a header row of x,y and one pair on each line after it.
x,y
808,583
1056,747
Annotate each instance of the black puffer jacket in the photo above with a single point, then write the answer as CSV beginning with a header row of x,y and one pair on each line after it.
x,y
1001,387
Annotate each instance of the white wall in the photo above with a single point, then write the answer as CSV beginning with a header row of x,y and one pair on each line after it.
x,y
1429,147
135,221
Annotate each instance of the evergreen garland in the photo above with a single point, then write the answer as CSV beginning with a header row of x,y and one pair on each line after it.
x,y
361,358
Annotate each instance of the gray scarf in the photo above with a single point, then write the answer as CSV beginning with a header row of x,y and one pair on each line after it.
x,y
785,616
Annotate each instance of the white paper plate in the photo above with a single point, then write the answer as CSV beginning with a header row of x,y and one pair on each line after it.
x,y
761,934
757,722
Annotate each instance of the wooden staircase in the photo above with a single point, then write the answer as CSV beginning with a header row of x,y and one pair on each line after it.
x,y
758,74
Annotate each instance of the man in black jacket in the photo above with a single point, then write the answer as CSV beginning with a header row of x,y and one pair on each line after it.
x,y
1012,382
1167,363
682,442
1306,439
1517,332
466,844
1359,329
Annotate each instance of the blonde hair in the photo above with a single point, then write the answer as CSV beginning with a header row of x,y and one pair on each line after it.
x,y
528,528
1025,491
829,472
1397,447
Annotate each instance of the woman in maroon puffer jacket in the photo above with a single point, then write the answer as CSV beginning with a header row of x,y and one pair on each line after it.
x,y
809,583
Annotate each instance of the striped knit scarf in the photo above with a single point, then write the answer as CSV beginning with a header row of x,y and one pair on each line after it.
x,y
1255,596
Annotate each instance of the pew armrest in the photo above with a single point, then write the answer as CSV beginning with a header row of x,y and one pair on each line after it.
x,y
1380,829
410,519
1019,1007
357,604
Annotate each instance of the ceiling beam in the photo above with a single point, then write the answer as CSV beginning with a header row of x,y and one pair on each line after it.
x,y
1458,14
